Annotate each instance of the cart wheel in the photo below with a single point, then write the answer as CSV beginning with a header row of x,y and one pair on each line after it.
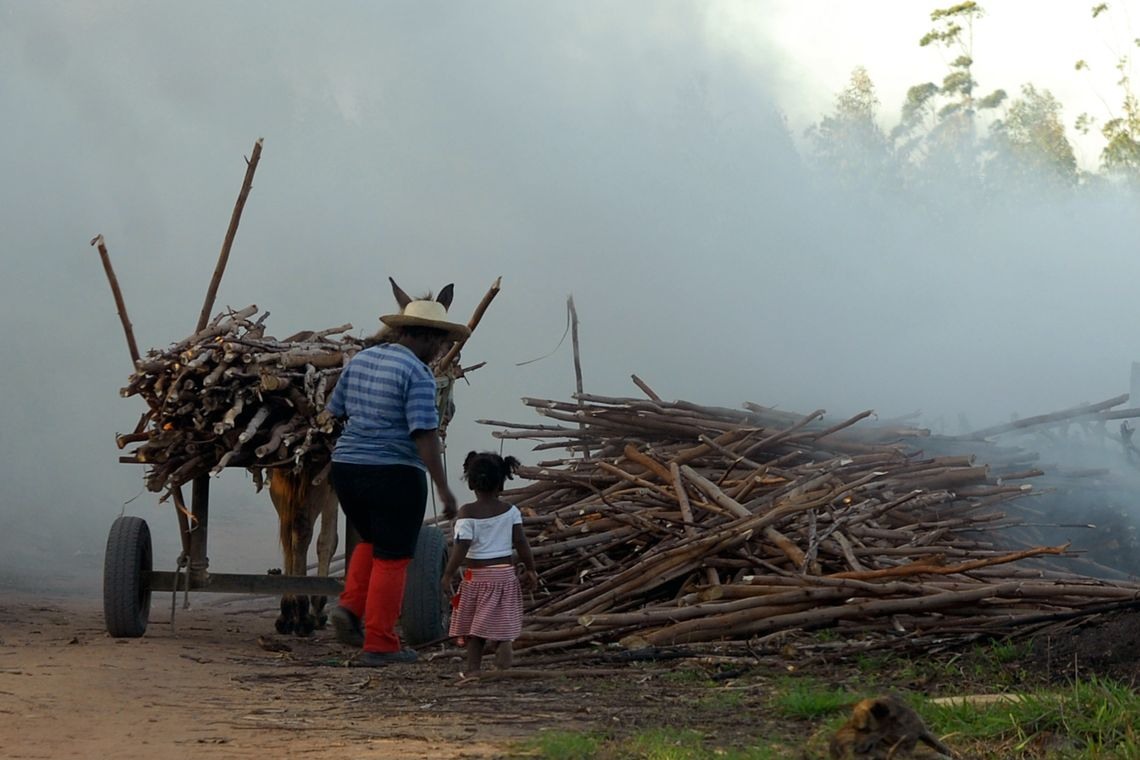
x,y
427,611
126,578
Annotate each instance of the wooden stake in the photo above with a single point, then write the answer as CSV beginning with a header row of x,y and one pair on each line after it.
x,y
648,391
224,256
472,323
577,363
97,241
1076,411
574,342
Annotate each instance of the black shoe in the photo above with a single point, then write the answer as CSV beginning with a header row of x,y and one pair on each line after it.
x,y
377,659
347,626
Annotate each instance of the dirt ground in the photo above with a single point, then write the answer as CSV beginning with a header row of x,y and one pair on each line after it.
x,y
208,688
1107,646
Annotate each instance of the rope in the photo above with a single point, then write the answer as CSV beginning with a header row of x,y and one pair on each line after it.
x,y
560,342
431,486
186,592
179,571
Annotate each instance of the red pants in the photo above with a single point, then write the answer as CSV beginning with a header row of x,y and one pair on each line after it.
x,y
374,592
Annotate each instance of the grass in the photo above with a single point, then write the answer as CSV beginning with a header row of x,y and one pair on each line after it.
x,y
1087,720
564,745
653,744
807,699
721,699
1091,719
688,676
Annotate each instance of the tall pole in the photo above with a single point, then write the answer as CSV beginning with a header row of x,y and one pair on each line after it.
x,y
224,256
97,241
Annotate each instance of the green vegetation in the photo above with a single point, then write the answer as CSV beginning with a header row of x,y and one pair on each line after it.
x,y
1090,719
807,699
656,744
948,135
794,716
564,745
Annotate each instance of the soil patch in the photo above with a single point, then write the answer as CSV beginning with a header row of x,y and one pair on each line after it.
x,y
1107,646
206,687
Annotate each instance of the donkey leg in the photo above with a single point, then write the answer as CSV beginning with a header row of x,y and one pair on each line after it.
x,y
281,493
294,607
327,541
286,621
302,537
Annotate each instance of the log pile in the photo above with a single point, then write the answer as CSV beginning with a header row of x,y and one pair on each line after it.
x,y
230,395
670,522
1084,476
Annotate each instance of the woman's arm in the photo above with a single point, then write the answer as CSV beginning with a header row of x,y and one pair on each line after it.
x,y
431,452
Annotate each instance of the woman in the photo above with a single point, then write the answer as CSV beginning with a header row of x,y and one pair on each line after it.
x,y
386,395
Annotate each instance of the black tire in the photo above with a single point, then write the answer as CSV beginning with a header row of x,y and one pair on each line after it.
x,y
126,578
426,612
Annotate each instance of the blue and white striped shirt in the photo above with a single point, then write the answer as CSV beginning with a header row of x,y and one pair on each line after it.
x,y
386,393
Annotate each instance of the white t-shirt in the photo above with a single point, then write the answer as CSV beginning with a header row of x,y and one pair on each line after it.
x,y
490,537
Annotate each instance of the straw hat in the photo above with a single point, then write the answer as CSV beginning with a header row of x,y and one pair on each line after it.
x,y
425,313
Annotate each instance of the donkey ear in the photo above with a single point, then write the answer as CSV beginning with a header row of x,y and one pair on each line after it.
x,y
446,295
402,298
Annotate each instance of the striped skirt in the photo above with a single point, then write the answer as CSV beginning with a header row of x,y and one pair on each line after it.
x,y
490,604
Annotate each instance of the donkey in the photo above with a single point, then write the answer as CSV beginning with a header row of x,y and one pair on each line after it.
x,y
299,502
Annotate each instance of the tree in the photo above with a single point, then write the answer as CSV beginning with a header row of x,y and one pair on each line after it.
x,y
1120,157
938,121
1029,144
849,143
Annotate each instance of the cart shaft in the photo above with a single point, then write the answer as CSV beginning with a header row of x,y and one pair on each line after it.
x,y
237,583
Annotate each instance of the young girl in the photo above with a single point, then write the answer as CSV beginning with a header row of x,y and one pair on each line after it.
x,y
486,532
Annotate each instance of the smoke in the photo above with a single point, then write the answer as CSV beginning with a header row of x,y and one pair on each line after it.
x,y
619,153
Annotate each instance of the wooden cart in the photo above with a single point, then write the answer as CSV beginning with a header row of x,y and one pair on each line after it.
x,y
129,577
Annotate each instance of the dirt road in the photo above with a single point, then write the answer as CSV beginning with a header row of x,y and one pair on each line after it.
x,y
207,688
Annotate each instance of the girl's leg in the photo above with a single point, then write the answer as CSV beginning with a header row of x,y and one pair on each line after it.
x,y
474,653
504,655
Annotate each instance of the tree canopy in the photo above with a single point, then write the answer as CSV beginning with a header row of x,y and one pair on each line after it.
x,y
947,132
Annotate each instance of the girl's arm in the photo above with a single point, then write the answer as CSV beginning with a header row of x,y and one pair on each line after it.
x,y
522,546
458,554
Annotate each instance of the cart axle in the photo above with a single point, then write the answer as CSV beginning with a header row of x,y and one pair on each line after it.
x,y
238,583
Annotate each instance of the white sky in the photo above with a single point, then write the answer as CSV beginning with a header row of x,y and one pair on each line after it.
x,y
1017,41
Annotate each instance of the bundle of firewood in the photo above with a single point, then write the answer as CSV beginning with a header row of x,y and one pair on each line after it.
x,y
231,395
671,522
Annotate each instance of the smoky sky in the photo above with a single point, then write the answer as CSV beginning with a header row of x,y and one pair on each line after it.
x,y
610,151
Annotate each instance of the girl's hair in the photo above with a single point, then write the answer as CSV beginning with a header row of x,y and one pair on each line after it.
x,y
487,471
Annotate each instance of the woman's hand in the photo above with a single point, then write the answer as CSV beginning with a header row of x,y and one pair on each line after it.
x,y
450,505
529,580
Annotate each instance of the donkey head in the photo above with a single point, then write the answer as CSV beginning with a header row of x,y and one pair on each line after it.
x,y
403,299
